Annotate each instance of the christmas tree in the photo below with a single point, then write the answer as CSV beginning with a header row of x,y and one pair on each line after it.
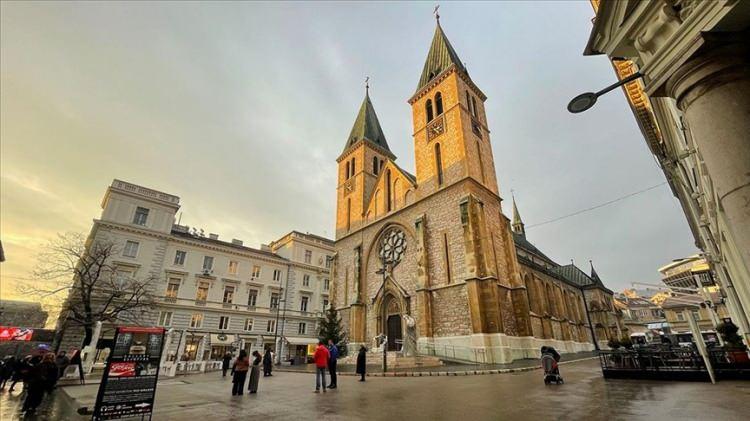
x,y
330,328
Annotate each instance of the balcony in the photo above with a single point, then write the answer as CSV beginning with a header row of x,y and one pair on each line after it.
x,y
201,303
170,299
227,305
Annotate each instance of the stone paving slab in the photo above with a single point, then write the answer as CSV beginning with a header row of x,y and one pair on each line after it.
x,y
519,395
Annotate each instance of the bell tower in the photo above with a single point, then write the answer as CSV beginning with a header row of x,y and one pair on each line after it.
x,y
451,138
364,155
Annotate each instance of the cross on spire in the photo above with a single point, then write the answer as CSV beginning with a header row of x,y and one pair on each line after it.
x,y
367,85
435,12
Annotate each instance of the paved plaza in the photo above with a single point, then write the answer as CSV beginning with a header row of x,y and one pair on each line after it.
x,y
513,396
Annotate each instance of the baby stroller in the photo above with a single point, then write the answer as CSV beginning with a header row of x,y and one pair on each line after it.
x,y
550,357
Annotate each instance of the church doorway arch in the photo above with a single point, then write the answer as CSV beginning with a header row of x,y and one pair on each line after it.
x,y
393,322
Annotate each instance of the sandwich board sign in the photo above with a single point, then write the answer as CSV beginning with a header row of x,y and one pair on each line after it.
x,y
128,386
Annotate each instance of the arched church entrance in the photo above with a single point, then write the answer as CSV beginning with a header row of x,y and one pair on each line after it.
x,y
393,323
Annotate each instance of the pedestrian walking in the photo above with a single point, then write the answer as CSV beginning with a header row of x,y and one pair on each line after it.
x,y
252,385
225,364
35,383
321,357
6,372
240,373
62,362
362,362
20,372
333,355
267,363
49,371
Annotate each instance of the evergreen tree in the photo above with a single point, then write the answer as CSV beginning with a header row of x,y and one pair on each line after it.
x,y
330,328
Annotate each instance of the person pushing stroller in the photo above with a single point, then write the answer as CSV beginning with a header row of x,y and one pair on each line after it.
x,y
550,358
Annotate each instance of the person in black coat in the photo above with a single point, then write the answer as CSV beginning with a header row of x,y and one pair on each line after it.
x,y
267,363
225,364
362,362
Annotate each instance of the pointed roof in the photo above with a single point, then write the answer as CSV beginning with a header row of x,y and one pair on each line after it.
x,y
594,275
441,56
516,215
367,127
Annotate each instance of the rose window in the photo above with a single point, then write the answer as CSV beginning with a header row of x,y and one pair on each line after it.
x,y
392,246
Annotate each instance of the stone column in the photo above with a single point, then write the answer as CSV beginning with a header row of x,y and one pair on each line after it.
x,y
713,90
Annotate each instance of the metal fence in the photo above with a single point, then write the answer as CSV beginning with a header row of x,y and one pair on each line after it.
x,y
686,364
456,353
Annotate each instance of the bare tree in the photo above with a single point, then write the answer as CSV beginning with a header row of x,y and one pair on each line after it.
x,y
97,289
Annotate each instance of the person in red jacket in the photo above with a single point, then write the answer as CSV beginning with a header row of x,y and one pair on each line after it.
x,y
321,363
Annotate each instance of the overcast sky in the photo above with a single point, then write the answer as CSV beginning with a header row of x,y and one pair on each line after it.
x,y
242,108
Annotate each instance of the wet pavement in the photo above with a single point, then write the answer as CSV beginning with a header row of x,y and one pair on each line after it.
x,y
447,367
516,396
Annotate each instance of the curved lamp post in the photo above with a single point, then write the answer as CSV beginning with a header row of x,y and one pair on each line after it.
x,y
587,100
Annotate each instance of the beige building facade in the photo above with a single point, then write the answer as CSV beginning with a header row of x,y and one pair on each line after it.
x,y
215,296
431,258
692,107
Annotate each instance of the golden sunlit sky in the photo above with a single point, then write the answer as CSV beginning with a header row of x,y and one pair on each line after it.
x,y
242,108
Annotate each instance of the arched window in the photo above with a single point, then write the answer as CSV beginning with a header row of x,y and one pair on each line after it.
x,y
348,170
438,103
348,213
438,164
353,166
375,165
388,191
381,164
428,109
474,106
481,164
468,102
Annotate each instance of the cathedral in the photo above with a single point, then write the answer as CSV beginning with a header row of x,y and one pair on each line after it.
x,y
431,255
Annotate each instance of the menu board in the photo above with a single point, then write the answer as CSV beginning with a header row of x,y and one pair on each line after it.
x,y
128,385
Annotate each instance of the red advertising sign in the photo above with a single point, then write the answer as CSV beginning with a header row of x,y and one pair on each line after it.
x,y
15,333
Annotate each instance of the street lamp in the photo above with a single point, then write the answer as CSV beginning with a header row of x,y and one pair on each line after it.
x,y
588,317
587,100
384,336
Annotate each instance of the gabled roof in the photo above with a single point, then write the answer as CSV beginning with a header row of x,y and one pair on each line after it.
x,y
575,275
522,243
381,175
367,127
441,56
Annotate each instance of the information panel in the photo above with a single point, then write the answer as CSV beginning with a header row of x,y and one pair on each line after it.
x,y
128,385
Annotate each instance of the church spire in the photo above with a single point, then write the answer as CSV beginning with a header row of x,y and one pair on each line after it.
x,y
517,226
367,127
441,56
594,275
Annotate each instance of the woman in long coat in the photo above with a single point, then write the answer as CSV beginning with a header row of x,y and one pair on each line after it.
x,y
267,363
362,362
252,385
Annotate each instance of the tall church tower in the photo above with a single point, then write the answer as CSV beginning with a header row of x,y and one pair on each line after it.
x,y
364,154
451,138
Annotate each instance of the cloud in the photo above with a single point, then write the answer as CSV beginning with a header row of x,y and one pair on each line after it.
x,y
241,109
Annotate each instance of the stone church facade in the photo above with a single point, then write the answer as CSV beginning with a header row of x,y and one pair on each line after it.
x,y
432,254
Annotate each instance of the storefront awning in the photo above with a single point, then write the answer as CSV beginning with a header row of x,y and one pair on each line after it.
x,y
300,340
221,339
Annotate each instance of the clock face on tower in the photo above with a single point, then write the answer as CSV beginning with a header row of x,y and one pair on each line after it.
x,y
435,129
392,246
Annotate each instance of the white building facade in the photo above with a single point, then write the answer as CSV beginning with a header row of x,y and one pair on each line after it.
x,y
213,296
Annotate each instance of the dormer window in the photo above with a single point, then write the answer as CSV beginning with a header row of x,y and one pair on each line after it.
x,y
438,103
